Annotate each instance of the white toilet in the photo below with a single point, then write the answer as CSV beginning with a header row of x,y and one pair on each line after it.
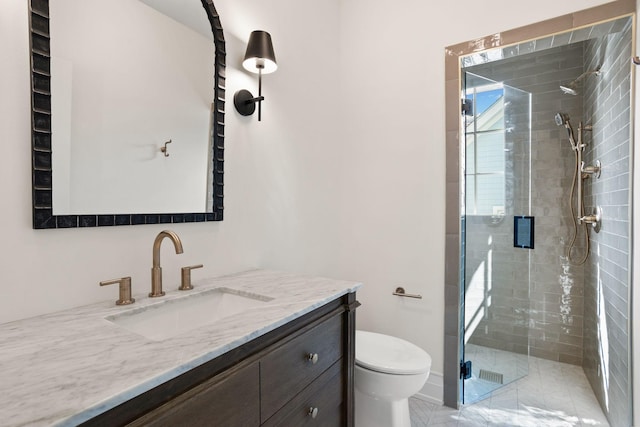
x,y
388,371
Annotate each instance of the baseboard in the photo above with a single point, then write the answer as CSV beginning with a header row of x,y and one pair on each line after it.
x,y
433,389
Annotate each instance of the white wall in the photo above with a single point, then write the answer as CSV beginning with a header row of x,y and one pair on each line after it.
x,y
275,190
635,348
344,177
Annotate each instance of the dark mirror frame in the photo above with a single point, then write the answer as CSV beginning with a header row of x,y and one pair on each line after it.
x,y
42,182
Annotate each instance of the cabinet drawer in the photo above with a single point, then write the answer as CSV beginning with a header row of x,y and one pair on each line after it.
x,y
231,396
287,370
324,395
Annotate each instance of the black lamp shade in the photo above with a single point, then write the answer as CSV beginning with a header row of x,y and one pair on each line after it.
x,y
260,54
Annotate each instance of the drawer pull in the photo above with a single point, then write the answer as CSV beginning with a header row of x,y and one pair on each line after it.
x,y
313,412
312,357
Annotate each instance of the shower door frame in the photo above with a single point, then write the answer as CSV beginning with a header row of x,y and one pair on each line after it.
x,y
454,56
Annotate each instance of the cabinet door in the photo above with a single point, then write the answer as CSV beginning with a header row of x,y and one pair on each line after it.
x,y
230,399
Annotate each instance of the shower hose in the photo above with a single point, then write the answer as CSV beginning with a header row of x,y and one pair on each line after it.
x,y
576,176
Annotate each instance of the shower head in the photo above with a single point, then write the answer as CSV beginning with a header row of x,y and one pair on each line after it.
x,y
562,119
572,88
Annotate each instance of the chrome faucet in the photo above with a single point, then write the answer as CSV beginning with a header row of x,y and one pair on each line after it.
x,y
156,270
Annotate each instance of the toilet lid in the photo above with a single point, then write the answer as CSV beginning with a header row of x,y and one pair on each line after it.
x,y
390,355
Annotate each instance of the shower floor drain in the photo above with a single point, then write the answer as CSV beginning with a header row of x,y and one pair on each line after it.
x,y
491,376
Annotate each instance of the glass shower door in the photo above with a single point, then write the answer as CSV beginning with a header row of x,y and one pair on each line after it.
x,y
495,271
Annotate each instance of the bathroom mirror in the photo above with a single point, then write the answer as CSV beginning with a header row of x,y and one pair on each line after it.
x,y
75,98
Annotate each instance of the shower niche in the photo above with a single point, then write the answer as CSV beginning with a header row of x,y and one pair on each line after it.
x,y
546,133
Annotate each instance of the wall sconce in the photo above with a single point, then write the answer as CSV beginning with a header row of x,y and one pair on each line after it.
x,y
260,59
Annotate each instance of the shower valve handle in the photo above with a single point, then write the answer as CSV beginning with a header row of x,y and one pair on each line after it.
x,y
595,219
592,169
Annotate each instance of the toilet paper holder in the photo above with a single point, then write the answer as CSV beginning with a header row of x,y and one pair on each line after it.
x,y
400,292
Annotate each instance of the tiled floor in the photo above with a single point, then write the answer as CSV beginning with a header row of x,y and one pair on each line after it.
x,y
510,366
552,395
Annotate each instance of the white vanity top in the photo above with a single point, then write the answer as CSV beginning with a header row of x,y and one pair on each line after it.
x,y
67,367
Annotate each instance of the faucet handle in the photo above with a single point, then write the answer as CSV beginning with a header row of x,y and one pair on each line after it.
x,y
125,290
186,277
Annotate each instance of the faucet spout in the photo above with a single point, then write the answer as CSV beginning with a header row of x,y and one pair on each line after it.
x,y
156,245
156,270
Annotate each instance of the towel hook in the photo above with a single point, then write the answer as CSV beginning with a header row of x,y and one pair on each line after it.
x,y
164,149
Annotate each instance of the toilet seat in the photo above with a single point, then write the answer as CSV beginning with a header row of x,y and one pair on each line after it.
x,y
390,355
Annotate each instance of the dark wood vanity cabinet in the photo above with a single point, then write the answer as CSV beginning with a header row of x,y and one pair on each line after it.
x,y
291,367
232,396
300,374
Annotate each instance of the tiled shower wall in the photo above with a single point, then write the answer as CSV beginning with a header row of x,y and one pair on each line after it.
x,y
548,315
606,317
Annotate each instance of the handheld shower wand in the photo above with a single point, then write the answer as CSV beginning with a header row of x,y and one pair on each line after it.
x,y
577,210
563,120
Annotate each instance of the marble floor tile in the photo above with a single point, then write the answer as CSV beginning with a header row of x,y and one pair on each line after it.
x,y
552,395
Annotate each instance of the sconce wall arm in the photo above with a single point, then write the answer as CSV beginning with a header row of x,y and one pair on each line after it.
x,y
259,58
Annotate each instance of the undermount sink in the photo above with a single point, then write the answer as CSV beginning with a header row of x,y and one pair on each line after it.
x,y
172,317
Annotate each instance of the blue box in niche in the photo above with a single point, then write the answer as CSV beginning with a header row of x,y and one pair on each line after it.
x,y
523,231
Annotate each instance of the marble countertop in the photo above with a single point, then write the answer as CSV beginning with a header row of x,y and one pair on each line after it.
x,y
65,368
